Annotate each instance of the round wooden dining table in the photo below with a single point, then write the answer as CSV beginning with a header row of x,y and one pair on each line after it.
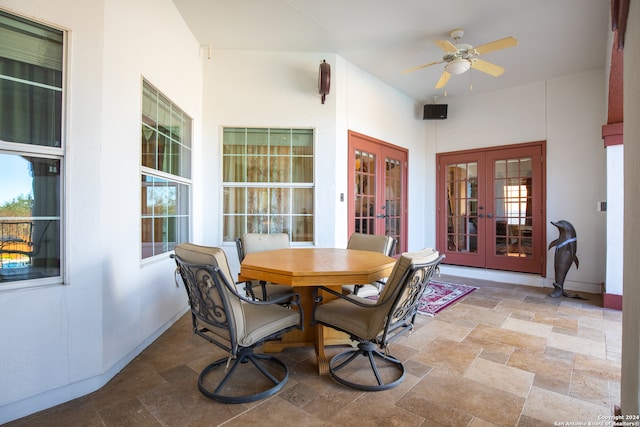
x,y
306,268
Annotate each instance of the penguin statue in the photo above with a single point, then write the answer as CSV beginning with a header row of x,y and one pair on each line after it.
x,y
566,247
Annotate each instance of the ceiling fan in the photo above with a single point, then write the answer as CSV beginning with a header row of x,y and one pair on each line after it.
x,y
459,57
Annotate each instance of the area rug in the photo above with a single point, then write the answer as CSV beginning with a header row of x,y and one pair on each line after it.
x,y
439,295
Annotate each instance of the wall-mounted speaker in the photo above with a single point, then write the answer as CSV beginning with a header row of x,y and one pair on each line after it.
x,y
434,112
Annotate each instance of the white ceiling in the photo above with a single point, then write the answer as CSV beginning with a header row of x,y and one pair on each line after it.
x,y
384,37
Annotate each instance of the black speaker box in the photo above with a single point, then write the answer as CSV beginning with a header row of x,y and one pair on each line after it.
x,y
435,112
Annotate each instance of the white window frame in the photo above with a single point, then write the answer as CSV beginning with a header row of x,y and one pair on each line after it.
x,y
184,182
268,185
45,152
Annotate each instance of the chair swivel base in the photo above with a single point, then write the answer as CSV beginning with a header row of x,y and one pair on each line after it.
x,y
244,356
370,351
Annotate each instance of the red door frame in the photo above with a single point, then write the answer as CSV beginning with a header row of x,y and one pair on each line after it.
x,y
485,256
382,149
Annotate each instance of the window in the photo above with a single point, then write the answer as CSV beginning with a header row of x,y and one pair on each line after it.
x,y
31,151
268,182
166,173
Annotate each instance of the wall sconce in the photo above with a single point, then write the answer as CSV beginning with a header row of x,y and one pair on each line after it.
x,y
324,79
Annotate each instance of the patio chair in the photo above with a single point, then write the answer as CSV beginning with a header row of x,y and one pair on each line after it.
x,y
375,324
258,242
27,240
234,323
373,243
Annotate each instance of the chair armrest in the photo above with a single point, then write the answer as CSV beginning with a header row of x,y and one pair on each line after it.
x,y
292,298
317,299
293,295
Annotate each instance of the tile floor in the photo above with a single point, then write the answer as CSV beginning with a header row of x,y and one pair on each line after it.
x,y
505,355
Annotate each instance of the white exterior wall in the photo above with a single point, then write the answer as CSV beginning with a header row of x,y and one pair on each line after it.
x,y
257,89
378,111
615,198
576,172
615,219
568,113
61,342
279,89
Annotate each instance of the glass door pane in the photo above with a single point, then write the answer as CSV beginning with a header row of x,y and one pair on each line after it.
x,y
512,207
515,220
462,205
365,194
393,199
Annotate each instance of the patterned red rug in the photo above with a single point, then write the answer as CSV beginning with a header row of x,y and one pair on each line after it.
x,y
439,295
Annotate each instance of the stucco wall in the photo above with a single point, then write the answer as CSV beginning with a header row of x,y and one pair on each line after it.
x,y
279,89
568,113
61,342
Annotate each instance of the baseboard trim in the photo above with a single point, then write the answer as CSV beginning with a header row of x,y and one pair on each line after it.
x,y
526,279
612,301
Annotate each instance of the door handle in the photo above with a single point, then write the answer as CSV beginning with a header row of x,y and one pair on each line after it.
x,y
481,216
381,216
489,215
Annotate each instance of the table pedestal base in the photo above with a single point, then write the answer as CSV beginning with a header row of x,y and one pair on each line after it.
x,y
317,336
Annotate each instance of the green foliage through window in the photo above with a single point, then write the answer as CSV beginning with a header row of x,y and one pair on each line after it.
x,y
166,173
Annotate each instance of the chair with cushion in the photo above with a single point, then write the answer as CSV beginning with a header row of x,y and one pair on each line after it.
x,y
375,324
374,243
258,242
236,324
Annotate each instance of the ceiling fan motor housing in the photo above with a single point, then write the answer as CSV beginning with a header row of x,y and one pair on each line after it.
x,y
464,51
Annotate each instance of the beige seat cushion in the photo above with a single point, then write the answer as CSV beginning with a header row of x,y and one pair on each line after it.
x,y
368,322
264,320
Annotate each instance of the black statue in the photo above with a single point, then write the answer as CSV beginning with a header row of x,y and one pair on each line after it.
x,y
566,247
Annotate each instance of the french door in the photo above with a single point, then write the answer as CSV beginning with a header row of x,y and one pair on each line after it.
x,y
378,200
490,208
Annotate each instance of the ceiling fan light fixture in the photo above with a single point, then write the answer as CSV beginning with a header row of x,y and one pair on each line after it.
x,y
458,66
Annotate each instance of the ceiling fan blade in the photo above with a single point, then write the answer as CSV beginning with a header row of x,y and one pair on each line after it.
x,y
446,46
497,45
444,78
409,70
487,67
